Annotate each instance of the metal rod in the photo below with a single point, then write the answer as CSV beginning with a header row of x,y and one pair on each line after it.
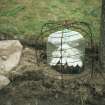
x,y
62,84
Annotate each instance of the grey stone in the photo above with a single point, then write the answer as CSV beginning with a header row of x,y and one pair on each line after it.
x,y
4,81
10,53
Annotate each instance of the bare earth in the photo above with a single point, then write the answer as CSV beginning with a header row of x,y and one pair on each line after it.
x,y
33,84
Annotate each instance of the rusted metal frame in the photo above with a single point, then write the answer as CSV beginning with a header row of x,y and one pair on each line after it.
x,y
71,25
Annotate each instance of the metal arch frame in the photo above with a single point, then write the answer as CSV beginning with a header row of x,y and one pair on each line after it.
x,y
55,25
66,24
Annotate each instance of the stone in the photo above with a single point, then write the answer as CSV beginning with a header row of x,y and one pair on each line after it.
x,y
4,81
10,53
4,57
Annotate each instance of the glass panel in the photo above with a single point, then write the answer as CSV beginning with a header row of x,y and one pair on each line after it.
x,y
65,47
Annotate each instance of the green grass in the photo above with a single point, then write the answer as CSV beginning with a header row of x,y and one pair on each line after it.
x,y
25,17
13,11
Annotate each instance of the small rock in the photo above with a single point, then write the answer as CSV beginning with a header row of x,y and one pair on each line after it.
x,y
99,90
56,96
4,81
26,49
72,85
4,58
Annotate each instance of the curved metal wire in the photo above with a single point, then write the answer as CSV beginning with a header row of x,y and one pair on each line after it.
x,y
84,27
47,29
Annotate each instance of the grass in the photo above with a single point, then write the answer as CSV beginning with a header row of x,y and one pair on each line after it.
x,y
25,17
13,11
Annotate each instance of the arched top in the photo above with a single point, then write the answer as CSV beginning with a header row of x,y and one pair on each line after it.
x,y
82,27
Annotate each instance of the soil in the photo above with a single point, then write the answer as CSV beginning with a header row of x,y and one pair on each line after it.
x,y
38,84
